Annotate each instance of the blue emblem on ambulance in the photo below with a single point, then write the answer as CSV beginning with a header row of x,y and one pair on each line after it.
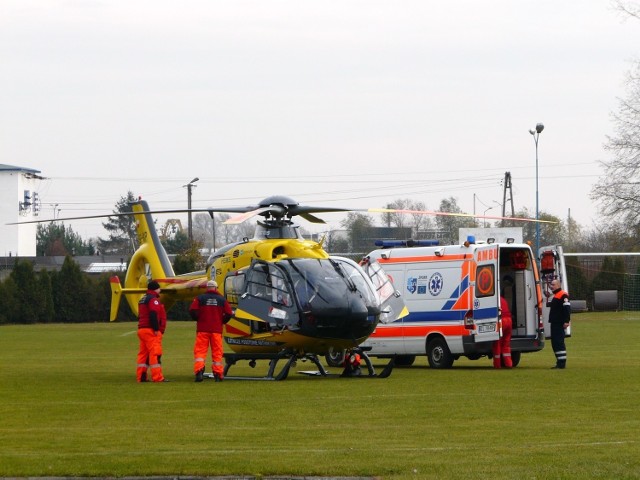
x,y
435,284
412,284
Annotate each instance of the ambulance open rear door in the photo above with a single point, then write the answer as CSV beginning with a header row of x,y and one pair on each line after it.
x,y
485,293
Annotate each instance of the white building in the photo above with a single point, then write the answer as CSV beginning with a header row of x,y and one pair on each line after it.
x,y
19,202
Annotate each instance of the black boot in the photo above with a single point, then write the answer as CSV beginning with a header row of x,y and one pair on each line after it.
x,y
200,375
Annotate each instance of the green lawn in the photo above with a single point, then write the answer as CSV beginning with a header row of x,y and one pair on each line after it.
x,y
71,407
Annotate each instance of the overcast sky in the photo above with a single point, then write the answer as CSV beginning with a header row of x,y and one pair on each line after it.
x,y
338,103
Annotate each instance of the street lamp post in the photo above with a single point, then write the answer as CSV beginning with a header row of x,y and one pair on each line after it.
x,y
189,186
484,215
536,134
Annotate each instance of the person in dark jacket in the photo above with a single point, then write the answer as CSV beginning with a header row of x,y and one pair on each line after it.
x,y
152,322
559,320
211,310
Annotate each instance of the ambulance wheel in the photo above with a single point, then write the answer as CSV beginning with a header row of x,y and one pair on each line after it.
x,y
405,360
335,358
439,354
515,358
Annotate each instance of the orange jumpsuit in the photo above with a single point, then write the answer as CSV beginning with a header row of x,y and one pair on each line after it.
x,y
211,310
152,321
502,347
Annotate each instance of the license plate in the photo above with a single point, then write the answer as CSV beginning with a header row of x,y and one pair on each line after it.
x,y
489,327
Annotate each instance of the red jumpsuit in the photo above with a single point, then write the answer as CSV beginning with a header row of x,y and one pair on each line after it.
x,y
502,347
211,310
152,321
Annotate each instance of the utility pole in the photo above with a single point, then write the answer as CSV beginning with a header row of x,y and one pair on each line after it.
x,y
507,197
189,186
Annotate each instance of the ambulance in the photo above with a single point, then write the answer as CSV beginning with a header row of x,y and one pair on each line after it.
x,y
453,295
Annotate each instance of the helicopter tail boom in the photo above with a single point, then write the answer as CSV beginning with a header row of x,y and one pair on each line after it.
x,y
150,260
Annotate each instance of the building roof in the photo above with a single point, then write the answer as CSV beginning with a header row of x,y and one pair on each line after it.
x,y
98,267
12,168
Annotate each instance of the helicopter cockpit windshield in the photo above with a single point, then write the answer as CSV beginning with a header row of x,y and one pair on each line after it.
x,y
329,290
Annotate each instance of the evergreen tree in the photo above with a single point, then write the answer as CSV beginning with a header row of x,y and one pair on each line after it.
x,y
47,312
179,243
9,303
611,275
189,260
122,229
29,303
70,293
57,239
576,279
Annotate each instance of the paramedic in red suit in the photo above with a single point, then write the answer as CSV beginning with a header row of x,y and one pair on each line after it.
x,y
152,321
502,346
211,310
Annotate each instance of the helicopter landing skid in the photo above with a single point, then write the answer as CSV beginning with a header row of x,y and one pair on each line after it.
x,y
291,358
232,358
371,372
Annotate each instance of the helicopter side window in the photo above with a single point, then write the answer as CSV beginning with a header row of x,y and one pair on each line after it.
x,y
233,288
267,283
380,280
279,291
257,282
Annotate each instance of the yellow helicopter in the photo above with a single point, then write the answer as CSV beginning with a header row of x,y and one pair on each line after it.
x,y
291,299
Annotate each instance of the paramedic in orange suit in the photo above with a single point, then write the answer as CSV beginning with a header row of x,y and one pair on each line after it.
x,y
502,346
211,310
152,321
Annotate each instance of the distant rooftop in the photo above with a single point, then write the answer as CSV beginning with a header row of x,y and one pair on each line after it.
x,y
106,267
17,169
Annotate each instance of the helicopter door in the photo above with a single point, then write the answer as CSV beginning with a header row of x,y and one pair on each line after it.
x,y
392,304
267,301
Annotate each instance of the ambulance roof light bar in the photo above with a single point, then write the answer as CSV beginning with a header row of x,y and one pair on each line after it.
x,y
406,243
471,239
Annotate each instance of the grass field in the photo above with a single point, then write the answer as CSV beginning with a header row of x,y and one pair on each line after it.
x,y
71,407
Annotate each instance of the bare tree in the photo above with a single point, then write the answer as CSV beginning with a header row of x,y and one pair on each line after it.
x,y
359,231
618,190
452,223
416,221
627,8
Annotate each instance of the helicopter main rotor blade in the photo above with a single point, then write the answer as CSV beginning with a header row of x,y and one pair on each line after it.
x,y
274,209
311,218
450,214
121,214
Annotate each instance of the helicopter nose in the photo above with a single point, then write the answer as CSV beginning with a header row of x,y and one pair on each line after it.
x,y
350,321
